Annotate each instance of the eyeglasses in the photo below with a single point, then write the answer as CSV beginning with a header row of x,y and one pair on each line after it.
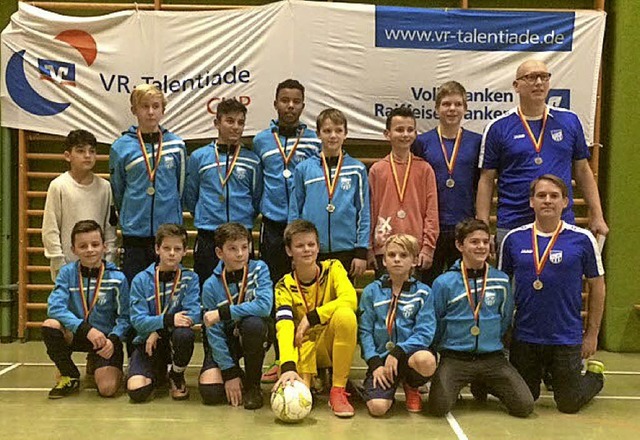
x,y
531,78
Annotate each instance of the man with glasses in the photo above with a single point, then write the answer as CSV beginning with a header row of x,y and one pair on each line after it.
x,y
527,142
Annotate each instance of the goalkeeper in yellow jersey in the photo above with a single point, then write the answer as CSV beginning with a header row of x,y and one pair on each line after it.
x,y
315,316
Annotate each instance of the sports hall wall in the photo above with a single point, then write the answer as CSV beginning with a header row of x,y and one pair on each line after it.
x,y
619,158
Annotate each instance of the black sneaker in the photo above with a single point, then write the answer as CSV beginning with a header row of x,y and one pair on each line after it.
x,y
253,398
65,386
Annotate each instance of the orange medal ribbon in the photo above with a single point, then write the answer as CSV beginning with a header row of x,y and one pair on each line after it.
x,y
331,186
451,163
304,297
225,179
475,308
151,172
286,157
538,261
391,314
241,289
400,189
174,288
537,143
85,299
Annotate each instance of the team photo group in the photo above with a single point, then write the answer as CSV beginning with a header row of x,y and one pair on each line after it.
x,y
454,303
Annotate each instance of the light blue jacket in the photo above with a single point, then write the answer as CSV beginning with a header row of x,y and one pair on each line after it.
x,y
258,301
349,226
140,213
277,188
143,302
415,322
110,314
455,317
241,194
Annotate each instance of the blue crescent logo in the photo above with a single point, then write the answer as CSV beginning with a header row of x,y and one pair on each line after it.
x,y
25,96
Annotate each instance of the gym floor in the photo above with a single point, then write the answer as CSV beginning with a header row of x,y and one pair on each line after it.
x,y
26,375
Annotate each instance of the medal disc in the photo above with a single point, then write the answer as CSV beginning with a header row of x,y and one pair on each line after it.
x,y
286,174
402,214
537,284
331,207
389,346
450,183
151,190
538,160
475,330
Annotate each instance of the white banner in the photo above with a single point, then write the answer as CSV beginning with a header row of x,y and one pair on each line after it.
x,y
60,73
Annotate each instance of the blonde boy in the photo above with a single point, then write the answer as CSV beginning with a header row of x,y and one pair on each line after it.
x,y
396,328
147,165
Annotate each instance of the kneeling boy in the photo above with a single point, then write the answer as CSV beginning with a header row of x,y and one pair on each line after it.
x,y
164,305
397,324
474,309
237,298
315,316
88,311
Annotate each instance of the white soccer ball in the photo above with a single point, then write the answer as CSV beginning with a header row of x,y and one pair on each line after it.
x,y
291,403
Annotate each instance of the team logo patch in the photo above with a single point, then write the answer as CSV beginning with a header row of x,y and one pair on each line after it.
x,y
407,310
490,298
556,135
241,173
168,162
555,257
102,298
345,183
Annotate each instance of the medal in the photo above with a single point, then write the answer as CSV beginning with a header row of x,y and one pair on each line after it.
x,y
331,186
390,320
318,298
537,143
539,262
151,172
242,288
286,157
400,190
174,288
475,308
230,167
96,293
451,163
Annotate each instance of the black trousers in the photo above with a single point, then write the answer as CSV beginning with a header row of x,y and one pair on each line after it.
x,y
571,389
138,254
249,342
456,370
